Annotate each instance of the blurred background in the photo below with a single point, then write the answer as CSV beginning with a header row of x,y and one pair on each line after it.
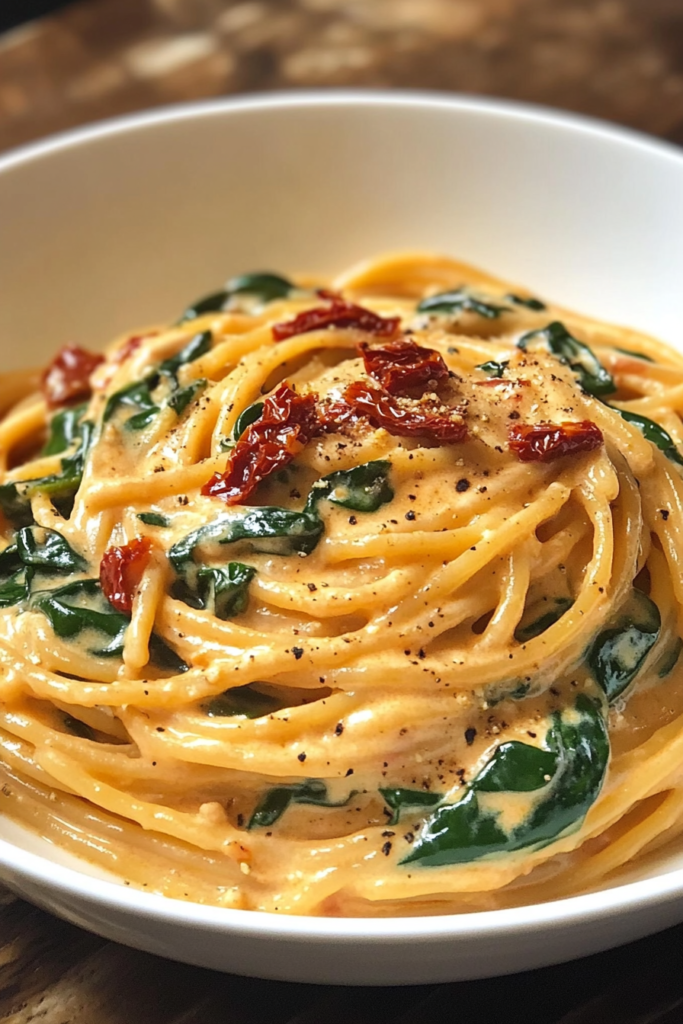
x,y
64,64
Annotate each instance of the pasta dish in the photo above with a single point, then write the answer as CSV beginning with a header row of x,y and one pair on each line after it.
x,y
353,598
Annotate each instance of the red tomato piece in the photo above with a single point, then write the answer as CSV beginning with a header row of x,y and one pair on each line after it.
x,y
545,442
339,313
131,345
403,365
67,378
121,570
287,424
400,417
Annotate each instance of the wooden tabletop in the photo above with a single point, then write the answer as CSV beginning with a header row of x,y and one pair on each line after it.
x,y
616,59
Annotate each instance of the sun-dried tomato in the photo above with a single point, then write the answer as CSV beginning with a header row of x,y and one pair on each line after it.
x,y
121,570
287,424
401,417
545,442
67,378
402,365
341,314
131,345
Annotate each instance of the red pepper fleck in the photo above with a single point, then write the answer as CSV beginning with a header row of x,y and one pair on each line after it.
x,y
399,417
121,570
401,365
67,378
287,424
339,313
545,442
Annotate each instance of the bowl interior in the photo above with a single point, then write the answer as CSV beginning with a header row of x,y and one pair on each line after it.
x,y
102,233
108,230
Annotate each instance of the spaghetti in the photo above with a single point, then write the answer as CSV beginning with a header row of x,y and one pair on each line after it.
x,y
351,600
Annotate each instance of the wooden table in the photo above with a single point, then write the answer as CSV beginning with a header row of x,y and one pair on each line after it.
x,y
618,59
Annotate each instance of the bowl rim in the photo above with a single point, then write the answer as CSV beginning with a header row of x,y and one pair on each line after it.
x,y
630,898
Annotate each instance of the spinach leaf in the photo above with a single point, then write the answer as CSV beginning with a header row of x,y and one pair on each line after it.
x,y
276,801
616,655
181,397
591,374
222,590
153,519
162,655
78,728
16,588
264,286
269,529
35,550
197,346
47,551
492,368
567,775
459,301
243,701
398,799
364,488
543,622
137,395
80,607
636,355
530,303
652,432
15,498
516,768
64,430
213,303
252,413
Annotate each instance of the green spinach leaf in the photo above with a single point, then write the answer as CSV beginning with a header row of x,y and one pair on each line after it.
x,y
273,530
617,654
591,374
64,430
399,799
460,301
530,303
197,346
252,413
153,519
567,776
264,286
364,488
492,368
276,801
15,498
652,432
527,632
244,701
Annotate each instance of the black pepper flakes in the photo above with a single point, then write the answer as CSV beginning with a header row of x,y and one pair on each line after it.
x,y
410,516
462,485
352,520
301,757
339,729
297,652
386,849
312,587
664,513
470,735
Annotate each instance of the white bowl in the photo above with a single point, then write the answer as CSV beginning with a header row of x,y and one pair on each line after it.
x,y
120,224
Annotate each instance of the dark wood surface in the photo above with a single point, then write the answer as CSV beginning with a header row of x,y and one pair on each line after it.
x,y
616,59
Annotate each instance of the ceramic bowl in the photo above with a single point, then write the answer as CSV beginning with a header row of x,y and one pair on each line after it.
x,y
122,223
